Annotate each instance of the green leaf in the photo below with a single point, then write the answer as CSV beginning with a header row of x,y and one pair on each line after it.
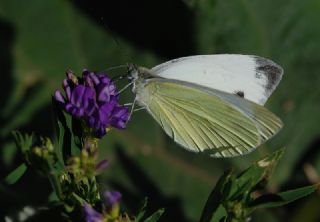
x,y
53,197
220,215
8,152
76,129
216,197
155,216
229,199
258,172
276,200
16,174
142,210
23,141
62,139
67,136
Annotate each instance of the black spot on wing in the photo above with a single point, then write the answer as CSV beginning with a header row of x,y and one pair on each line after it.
x,y
240,94
270,70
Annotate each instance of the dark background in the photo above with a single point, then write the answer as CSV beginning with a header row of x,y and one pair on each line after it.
x,y
40,40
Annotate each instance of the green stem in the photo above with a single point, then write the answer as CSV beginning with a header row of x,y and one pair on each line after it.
x,y
55,182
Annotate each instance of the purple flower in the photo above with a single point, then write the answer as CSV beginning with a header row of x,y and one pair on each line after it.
x,y
93,98
91,214
119,117
112,198
111,207
102,165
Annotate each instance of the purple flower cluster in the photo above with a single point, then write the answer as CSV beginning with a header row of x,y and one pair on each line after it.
x,y
112,198
93,98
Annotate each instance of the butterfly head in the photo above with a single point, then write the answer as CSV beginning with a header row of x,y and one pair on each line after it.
x,y
137,75
133,72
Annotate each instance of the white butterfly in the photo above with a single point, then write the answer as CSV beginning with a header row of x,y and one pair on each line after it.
x,y
211,103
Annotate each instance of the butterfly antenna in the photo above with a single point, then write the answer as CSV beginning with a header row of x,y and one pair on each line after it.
x,y
115,67
115,39
117,77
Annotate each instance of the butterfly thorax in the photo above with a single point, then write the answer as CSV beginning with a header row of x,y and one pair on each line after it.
x,y
139,77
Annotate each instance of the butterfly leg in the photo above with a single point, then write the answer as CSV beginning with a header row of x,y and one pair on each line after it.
x,y
124,88
132,108
141,108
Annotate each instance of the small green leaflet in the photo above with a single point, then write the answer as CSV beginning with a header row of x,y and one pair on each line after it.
x,y
279,199
16,174
153,218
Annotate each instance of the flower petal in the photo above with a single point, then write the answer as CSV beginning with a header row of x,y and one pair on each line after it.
x,y
59,97
91,214
105,92
104,78
112,198
88,100
102,164
77,94
120,112
66,84
94,78
78,112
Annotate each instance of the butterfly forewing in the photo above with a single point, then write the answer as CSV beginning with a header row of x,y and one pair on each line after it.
x,y
252,77
201,121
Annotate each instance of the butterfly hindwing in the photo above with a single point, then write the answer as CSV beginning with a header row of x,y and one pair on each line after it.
x,y
201,120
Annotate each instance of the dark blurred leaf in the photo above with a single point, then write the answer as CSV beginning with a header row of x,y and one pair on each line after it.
x,y
9,150
155,216
16,174
279,199
308,211
215,199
